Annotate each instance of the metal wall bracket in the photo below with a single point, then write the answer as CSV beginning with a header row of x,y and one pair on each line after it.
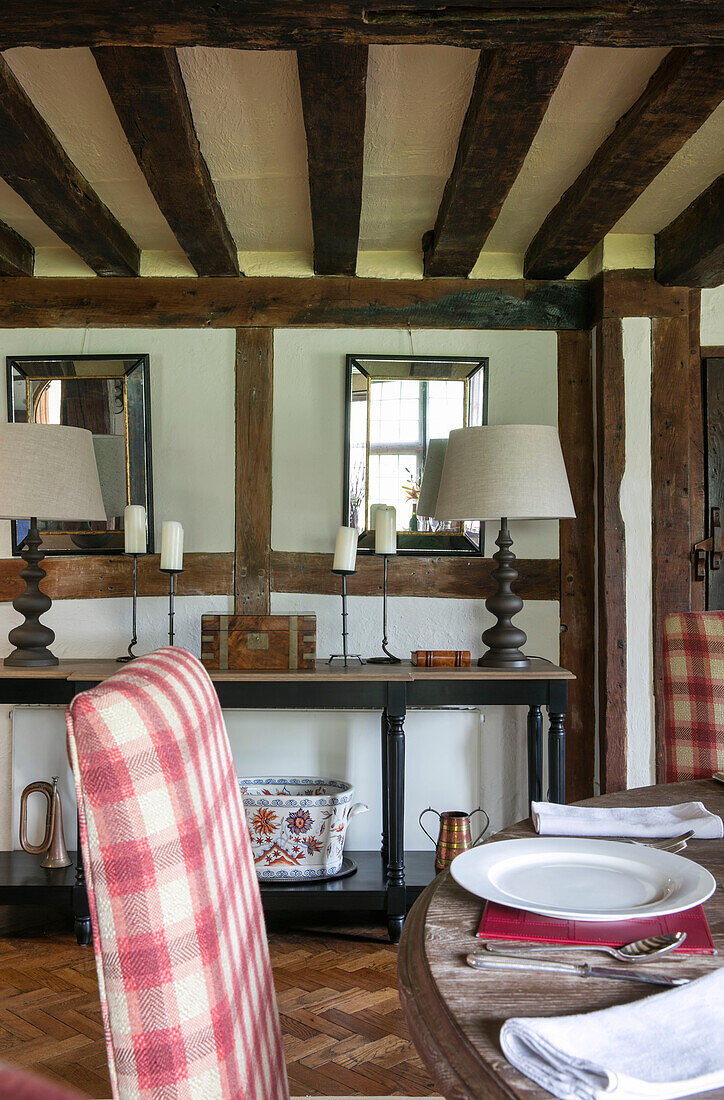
x,y
711,546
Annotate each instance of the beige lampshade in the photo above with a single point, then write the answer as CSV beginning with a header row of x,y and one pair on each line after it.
x,y
48,471
514,471
431,476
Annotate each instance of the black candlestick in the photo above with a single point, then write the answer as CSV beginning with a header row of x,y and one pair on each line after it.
x,y
32,637
134,637
504,639
344,655
171,593
389,658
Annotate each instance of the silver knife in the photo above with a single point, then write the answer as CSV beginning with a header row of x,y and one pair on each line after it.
x,y
479,961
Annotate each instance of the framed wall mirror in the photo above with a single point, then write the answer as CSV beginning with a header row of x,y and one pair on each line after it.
x,y
110,396
394,406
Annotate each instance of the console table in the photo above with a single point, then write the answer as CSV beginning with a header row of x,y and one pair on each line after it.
x,y
387,881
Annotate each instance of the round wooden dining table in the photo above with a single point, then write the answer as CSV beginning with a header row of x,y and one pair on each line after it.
x,y
455,1013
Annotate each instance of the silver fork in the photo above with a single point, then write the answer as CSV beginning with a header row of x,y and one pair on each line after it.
x,y
666,844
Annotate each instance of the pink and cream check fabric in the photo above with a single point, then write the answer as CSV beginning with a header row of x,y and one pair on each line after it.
x,y
694,694
183,965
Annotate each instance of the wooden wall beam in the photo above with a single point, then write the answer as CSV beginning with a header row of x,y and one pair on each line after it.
x,y
17,256
410,575
149,95
687,86
612,639
510,95
294,303
690,250
35,165
94,577
670,478
285,24
617,294
333,82
577,565
254,392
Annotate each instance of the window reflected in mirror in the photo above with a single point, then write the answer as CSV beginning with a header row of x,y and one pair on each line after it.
x,y
395,406
110,397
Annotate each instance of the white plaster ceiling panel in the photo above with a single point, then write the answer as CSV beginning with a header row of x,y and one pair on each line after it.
x,y
416,101
597,87
68,91
247,109
689,172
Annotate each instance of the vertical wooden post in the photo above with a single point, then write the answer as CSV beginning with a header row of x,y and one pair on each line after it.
x,y
670,478
254,383
577,555
611,441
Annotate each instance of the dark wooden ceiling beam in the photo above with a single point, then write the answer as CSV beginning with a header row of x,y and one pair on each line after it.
x,y
149,96
17,256
690,250
687,86
35,165
294,303
276,24
333,83
510,95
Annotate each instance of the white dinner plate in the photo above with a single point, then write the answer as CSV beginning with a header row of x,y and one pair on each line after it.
x,y
576,878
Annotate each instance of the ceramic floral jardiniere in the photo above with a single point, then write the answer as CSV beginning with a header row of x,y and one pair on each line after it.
x,y
297,825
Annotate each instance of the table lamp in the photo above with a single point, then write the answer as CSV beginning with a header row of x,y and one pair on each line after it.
x,y
49,472
513,471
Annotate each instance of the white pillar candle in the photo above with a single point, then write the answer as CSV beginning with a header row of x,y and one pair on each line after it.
x,y
134,529
345,550
385,530
373,513
172,546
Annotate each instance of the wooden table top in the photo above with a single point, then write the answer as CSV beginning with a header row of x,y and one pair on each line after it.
x,y
96,670
455,1013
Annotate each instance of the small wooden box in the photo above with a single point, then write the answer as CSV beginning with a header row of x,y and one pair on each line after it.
x,y
259,641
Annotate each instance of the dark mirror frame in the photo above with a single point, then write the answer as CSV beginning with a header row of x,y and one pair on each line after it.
x,y
138,422
411,542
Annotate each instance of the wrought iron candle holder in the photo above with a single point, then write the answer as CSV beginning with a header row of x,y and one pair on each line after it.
x,y
344,655
171,593
134,635
389,658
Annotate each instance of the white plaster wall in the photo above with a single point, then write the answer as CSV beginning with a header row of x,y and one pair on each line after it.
x,y
192,419
309,377
636,504
712,317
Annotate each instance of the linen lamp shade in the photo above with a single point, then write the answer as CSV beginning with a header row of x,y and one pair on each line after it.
x,y
511,470
49,472
431,477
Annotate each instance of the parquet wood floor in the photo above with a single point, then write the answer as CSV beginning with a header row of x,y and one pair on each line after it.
x,y
344,1030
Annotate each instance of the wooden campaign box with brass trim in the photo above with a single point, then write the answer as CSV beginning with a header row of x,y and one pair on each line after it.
x,y
259,641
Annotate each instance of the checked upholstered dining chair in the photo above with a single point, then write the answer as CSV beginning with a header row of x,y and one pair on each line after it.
x,y
694,694
183,966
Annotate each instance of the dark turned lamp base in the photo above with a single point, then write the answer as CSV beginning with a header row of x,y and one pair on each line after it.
x,y
32,638
504,639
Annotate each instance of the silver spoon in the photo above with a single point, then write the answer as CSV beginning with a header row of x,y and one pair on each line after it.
x,y
653,947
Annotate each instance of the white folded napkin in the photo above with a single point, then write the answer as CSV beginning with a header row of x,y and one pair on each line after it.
x,y
551,819
660,1048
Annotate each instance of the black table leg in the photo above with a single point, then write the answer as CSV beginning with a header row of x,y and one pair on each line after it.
x,y
396,899
535,754
81,911
557,758
385,791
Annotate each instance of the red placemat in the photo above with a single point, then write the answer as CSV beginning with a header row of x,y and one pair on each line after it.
x,y
501,923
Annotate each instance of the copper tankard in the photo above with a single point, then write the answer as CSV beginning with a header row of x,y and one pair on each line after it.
x,y
53,842
454,835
